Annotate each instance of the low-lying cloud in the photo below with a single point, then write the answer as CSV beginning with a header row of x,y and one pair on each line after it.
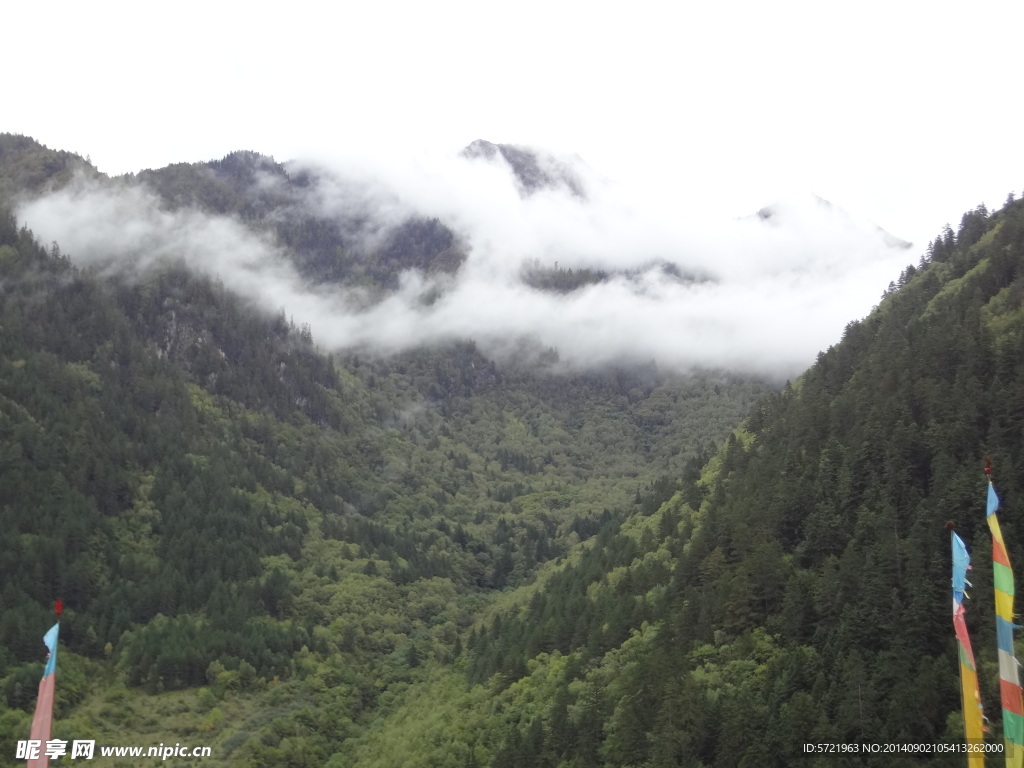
x,y
779,290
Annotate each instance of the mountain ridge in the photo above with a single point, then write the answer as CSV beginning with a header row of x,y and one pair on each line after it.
x,y
211,494
783,208
532,169
423,255
360,560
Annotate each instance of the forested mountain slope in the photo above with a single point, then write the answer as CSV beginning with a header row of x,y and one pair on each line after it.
x,y
799,590
348,242
260,546
358,247
433,559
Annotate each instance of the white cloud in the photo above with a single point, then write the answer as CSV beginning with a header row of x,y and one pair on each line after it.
x,y
783,289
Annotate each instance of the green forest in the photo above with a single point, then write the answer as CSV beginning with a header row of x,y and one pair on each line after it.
x,y
307,558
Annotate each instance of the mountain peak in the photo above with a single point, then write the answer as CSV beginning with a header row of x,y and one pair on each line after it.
x,y
801,207
533,170
28,166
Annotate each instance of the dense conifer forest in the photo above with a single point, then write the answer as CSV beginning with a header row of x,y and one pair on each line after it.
x,y
303,558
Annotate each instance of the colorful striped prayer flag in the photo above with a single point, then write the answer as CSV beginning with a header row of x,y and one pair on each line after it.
x,y
970,697
1009,676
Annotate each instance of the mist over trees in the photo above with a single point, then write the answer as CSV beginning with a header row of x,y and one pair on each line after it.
x,y
386,259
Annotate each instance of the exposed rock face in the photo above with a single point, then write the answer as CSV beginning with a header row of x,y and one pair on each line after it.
x,y
533,170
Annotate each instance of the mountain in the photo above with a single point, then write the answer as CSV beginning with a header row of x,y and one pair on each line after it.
x,y
353,248
795,589
532,169
433,557
261,545
389,257
28,167
785,211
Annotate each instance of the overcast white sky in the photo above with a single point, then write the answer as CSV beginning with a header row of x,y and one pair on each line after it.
x,y
903,112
